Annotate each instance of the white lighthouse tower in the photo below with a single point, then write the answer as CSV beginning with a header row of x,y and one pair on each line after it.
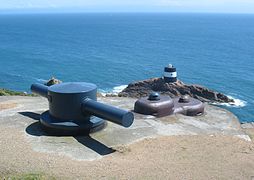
x,y
170,74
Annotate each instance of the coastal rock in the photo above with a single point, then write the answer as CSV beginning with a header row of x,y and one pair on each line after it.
x,y
52,81
145,87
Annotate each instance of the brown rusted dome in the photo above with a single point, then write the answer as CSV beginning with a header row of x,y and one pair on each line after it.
x,y
155,105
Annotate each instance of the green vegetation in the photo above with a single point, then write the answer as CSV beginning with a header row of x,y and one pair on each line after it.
x,y
250,132
6,92
29,176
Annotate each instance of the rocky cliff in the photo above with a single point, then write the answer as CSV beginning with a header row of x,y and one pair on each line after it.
x,y
145,87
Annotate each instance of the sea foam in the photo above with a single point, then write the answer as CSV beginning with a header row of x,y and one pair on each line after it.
x,y
118,89
238,103
115,91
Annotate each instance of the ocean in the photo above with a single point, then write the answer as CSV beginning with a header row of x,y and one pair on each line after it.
x,y
114,49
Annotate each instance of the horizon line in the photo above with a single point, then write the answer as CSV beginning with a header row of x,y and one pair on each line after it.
x,y
121,12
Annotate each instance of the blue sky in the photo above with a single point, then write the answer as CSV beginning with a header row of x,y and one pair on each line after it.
x,y
217,6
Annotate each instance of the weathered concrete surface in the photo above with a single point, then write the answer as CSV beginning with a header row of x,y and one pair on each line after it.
x,y
248,125
22,113
248,129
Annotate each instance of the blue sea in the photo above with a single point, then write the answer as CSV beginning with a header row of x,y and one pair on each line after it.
x,y
112,50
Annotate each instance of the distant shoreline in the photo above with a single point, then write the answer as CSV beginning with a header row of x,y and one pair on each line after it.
x,y
7,92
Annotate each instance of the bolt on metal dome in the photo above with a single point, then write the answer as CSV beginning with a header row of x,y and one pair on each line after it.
x,y
184,99
154,96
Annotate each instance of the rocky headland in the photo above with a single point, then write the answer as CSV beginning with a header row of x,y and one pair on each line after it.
x,y
144,88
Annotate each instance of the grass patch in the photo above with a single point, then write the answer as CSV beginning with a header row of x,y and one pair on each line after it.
x,y
6,92
249,132
29,176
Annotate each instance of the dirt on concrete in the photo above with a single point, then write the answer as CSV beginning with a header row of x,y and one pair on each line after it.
x,y
7,105
206,147
172,157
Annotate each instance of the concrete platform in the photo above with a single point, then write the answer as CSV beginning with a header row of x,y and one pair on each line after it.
x,y
23,113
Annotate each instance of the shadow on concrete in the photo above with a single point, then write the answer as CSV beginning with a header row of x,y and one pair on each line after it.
x,y
31,115
94,145
35,129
